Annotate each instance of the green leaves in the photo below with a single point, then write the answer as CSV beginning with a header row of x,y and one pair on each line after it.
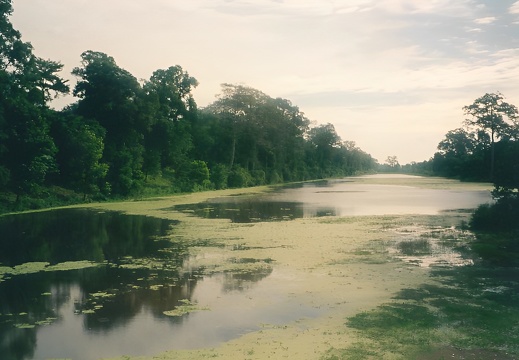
x,y
28,82
492,114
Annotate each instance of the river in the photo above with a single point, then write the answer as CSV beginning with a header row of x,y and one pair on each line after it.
x,y
141,278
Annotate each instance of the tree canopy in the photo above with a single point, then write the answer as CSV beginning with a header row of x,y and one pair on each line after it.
x,y
492,115
486,148
123,136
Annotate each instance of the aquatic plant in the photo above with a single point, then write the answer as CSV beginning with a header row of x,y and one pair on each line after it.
x,y
185,307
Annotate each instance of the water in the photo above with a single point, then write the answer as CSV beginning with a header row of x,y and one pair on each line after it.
x,y
78,234
116,304
337,198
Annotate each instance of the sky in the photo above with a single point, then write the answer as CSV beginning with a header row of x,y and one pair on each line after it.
x,y
391,75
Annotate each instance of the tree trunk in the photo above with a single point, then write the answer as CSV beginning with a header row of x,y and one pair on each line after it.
x,y
233,151
492,156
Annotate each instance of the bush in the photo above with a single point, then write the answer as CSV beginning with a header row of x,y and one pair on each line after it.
x,y
198,172
239,177
219,176
502,216
275,178
259,177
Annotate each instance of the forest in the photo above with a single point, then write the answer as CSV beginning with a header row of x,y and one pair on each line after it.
x,y
128,138
484,149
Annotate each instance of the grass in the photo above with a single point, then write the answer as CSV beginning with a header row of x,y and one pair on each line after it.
x,y
474,309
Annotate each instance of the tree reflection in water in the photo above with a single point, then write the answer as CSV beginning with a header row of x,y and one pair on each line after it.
x,y
29,302
85,313
79,234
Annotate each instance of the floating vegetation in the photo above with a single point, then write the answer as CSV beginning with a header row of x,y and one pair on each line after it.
x,y
28,268
186,307
102,294
249,260
374,253
25,326
91,310
37,266
147,263
241,268
71,265
47,321
469,312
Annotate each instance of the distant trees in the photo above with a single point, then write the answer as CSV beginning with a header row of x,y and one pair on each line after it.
x,y
80,146
271,140
489,141
486,149
323,141
462,152
478,151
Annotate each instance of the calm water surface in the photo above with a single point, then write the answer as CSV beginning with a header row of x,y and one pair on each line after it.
x,y
337,198
117,306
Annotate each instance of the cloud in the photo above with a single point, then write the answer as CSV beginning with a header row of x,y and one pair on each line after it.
x,y
514,8
456,8
485,20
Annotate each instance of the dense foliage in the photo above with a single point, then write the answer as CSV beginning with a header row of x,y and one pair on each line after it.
x,y
123,136
486,148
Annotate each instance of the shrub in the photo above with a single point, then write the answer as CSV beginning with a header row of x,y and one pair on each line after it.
x,y
239,177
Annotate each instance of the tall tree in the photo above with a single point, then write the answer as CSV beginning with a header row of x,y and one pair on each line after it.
x,y
392,162
458,143
323,140
239,106
27,83
493,115
262,135
110,95
168,139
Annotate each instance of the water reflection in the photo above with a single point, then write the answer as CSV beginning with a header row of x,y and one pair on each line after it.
x,y
40,309
118,307
336,198
245,210
70,313
78,234
433,247
109,311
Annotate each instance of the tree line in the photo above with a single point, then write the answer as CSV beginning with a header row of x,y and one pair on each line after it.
x,y
122,134
485,148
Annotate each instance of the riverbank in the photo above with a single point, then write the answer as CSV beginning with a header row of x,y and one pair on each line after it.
x,y
339,265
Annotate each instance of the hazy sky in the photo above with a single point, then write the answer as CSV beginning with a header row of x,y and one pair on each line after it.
x,y
391,75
